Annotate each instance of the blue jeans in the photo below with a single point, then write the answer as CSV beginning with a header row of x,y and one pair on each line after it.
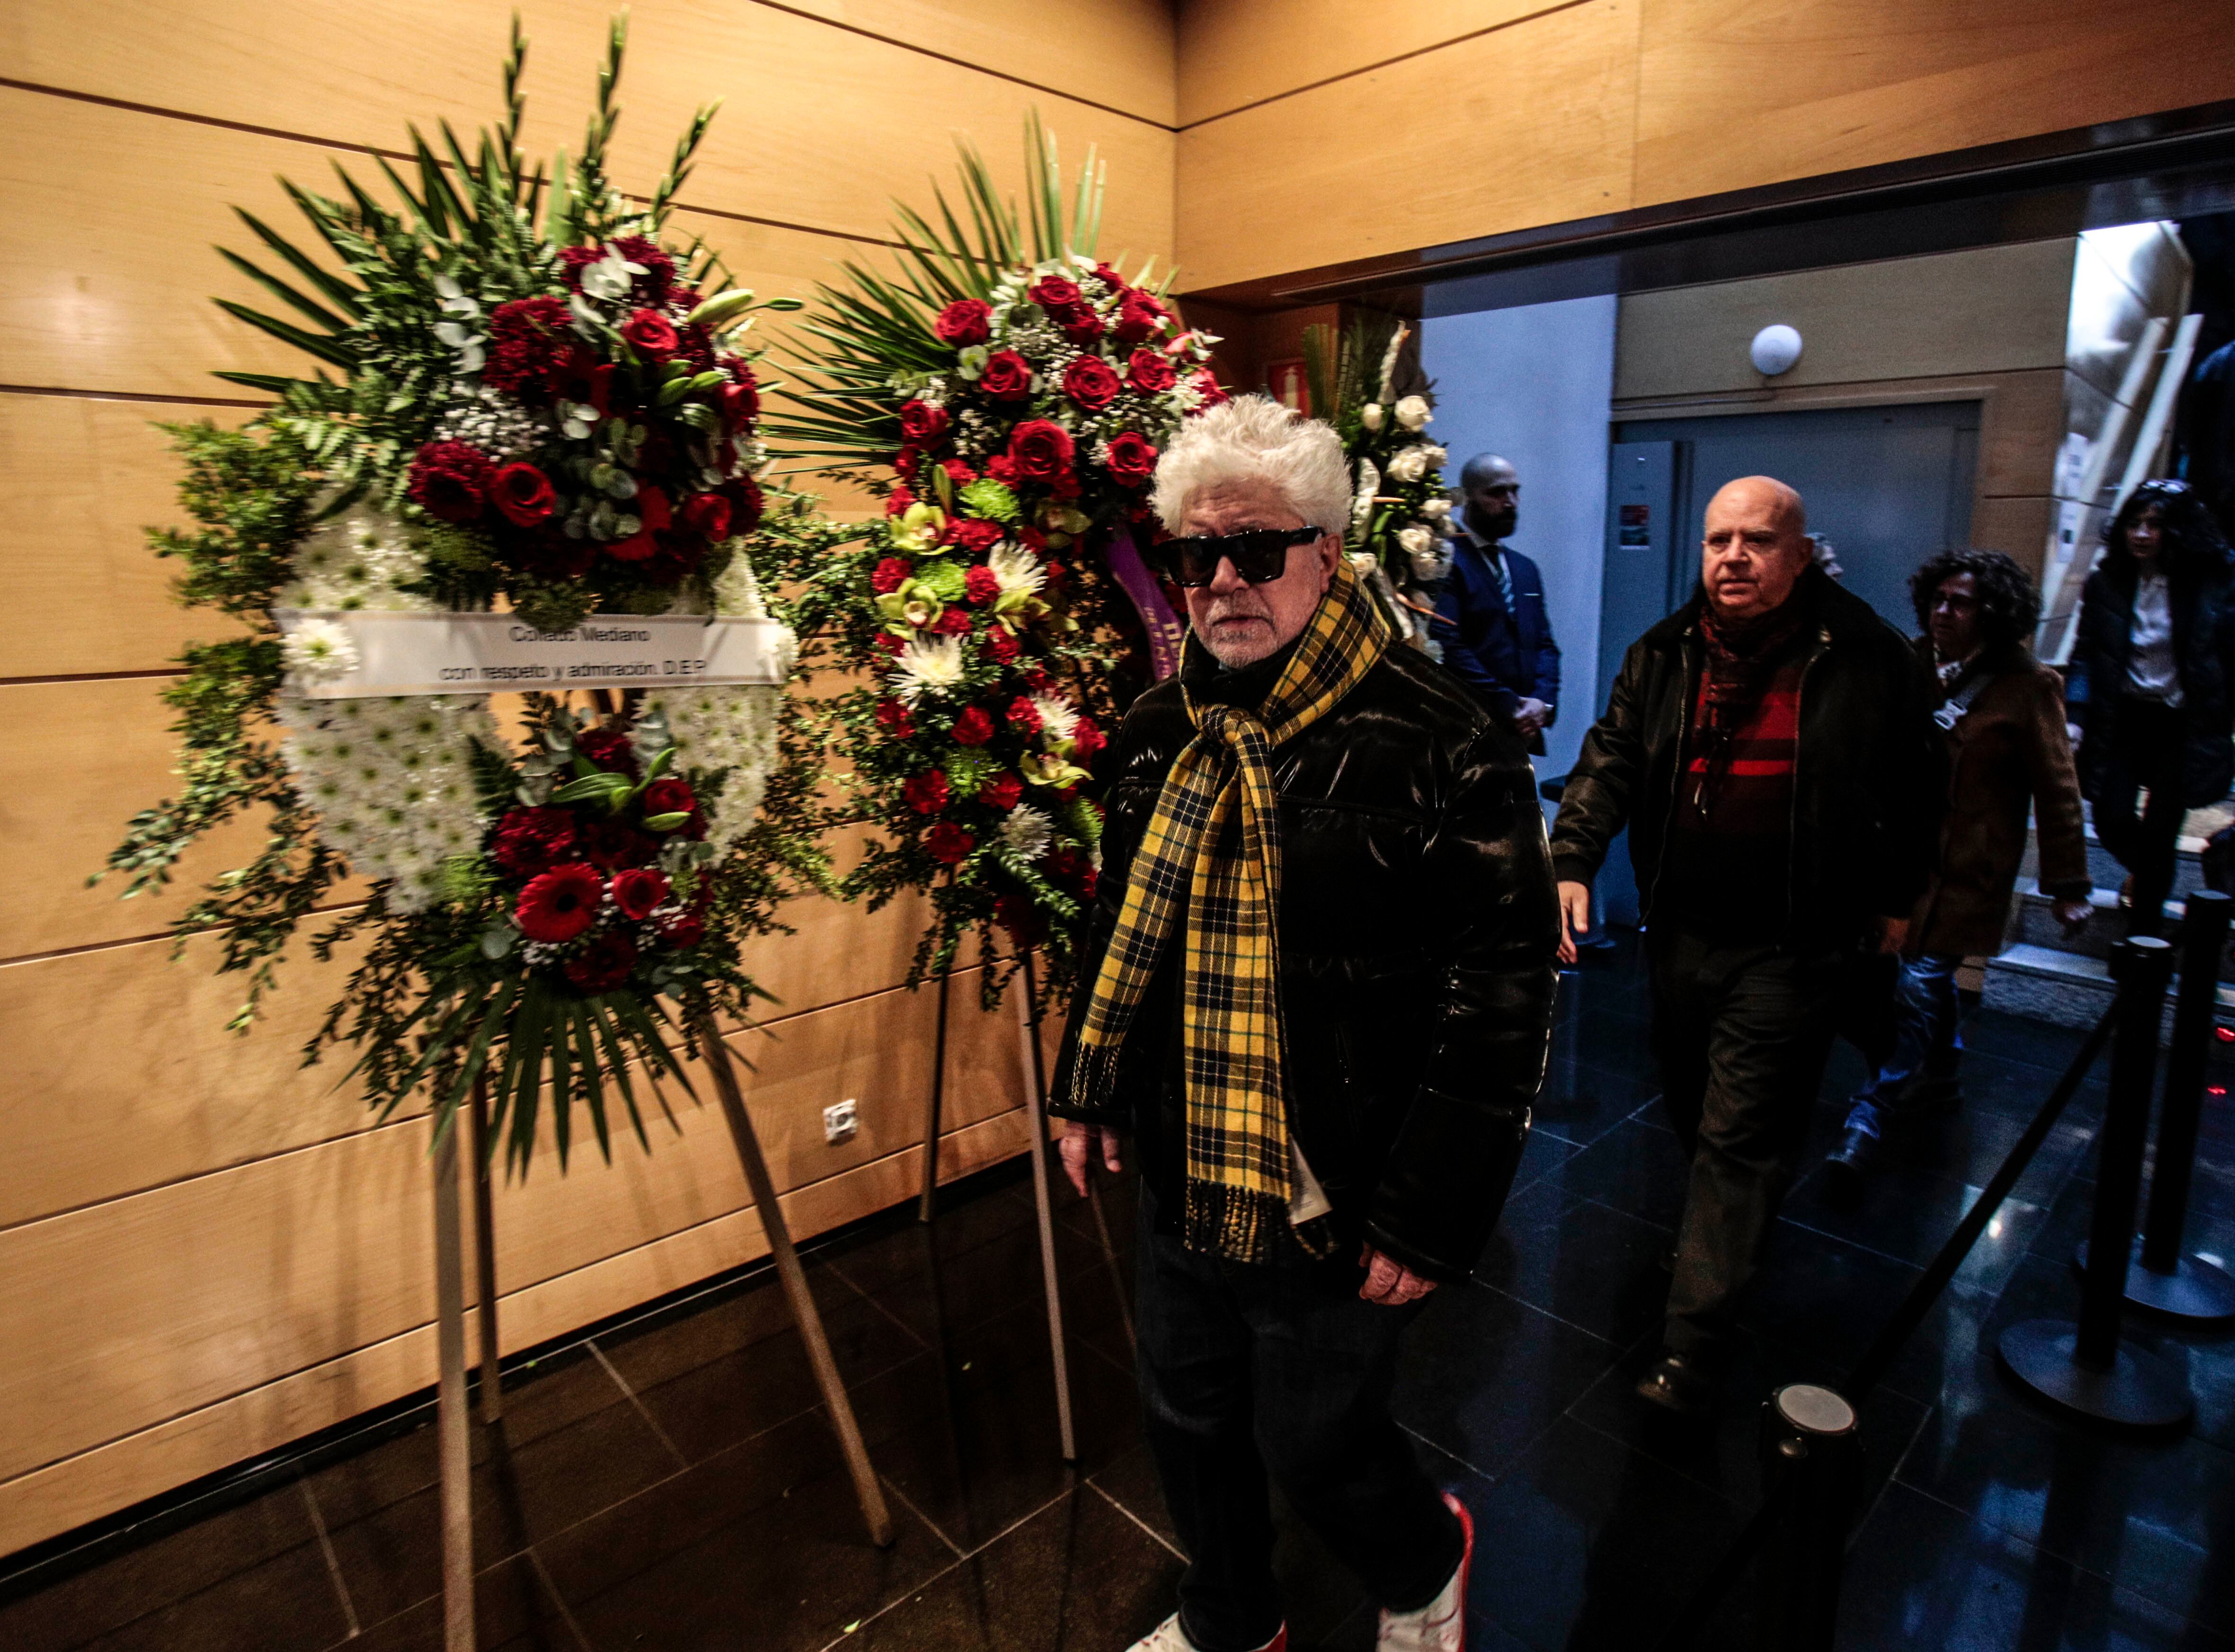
x,y
1928,1041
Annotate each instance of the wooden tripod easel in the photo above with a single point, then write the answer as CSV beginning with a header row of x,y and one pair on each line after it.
x,y
451,1422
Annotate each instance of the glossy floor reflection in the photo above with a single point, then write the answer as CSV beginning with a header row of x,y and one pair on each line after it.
x,y
673,1484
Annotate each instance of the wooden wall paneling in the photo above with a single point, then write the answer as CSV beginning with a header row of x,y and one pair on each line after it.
x,y
1734,93
1530,125
820,128
1237,52
84,1486
83,479
2016,526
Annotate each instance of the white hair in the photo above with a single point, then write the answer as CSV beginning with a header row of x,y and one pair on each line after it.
x,y
1254,438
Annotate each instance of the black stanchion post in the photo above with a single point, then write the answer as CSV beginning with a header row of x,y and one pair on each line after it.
x,y
1810,1461
2081,1368
2166,1281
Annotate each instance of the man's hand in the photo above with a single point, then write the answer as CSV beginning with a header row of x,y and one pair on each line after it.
x,y
1529,717
1388,1281
2074,913
1080,1145
1575,917
1893,935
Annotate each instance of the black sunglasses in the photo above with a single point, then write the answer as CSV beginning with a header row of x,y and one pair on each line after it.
x,y
1259,554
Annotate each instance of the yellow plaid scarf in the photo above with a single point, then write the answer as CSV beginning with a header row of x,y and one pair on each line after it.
x,y
1241,1170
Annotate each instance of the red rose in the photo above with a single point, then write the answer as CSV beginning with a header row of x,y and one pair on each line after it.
x,y
1110,279
975,537
966,321
898,500
670,796
652,512
1056,574
746,503
1139,316
1208,389
1024,717
1150,373
927,793
1090,382
684,930
1082,326
889,575
611,844
559,904
582,379
740,400
1053,292
604,963
1001,644
922,424
526,338
980,585
638,890
1132,459
1003,791
893,716
524,493
955,622
1041,451
949,842
1007,377
529,841
650,334
1037,680
974,727
1086,739
708,514
609,749
450,479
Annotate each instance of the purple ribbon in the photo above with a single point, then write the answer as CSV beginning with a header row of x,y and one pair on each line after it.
x,y
1166,633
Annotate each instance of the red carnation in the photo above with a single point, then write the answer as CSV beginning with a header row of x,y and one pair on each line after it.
x,y
611,844
653,515
922,424
577,260
650,334
1024,716
1139,316
1112,279
684,930
975,537
524,493
1150,373
746,503
1003,469
974,727
638,890
966,321
1132,459
529,841
559,904
707,514
657,280
1086,739
740,399
889,643
893,716
958,473
526,340
980,585
927,793
582,379
1082,326
1053,292
1007,377
1070,866
450,479
949,842
898,500
1001,644
1003,791
609,749
1056,574
1090,382
604,963
1026,925
1041,450
889,575
906,461
955,622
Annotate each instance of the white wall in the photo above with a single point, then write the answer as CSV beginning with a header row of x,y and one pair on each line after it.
x,y
1533,384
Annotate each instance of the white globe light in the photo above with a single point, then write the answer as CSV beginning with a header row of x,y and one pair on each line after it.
x,y
1775,349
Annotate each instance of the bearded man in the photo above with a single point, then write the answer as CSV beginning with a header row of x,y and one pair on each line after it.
x,y
1317,997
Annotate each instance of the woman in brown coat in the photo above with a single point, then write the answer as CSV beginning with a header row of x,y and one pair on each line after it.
x,y
2004,715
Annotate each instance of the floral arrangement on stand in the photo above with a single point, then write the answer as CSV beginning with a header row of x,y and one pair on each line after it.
x,y
1400,517
1007,394
529,401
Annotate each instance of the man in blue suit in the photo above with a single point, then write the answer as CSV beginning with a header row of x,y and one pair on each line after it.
x,y
1491,617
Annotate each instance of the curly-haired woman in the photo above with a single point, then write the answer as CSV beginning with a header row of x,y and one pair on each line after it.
x,y
2004,715
2152,683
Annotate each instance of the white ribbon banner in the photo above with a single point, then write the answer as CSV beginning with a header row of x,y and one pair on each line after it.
x,y
484,653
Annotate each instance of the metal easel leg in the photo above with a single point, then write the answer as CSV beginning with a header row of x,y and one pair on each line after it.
x,y
1036,1123
925,1209
492,1383
457,1443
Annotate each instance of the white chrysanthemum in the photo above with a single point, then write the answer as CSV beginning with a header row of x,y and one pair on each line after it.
x,y
355,560
1059,717
1027,832
1413,412
927,665
1369,484
1409,464
319,651
1016,567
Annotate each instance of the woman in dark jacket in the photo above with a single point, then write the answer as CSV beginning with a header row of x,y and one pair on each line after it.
x,y
2001,712
2149,683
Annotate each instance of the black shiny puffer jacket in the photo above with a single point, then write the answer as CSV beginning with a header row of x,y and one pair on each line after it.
x,y
1417,929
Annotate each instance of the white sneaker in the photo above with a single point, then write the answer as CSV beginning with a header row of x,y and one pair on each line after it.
x,y
1169,1636
1440,1626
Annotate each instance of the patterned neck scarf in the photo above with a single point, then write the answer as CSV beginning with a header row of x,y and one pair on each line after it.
x,y
1742,656
1240,1169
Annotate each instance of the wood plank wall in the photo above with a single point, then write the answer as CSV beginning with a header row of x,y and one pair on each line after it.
x,y
1317,131
205,1252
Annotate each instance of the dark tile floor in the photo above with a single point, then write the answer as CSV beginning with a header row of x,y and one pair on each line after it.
x,y
673,1484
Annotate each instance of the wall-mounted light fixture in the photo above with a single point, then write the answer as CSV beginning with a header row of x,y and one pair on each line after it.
x,y
1774,350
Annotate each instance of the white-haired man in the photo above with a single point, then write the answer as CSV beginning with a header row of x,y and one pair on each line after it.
x,y
1318,997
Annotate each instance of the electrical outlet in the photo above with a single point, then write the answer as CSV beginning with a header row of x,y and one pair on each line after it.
x,y
841,1122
